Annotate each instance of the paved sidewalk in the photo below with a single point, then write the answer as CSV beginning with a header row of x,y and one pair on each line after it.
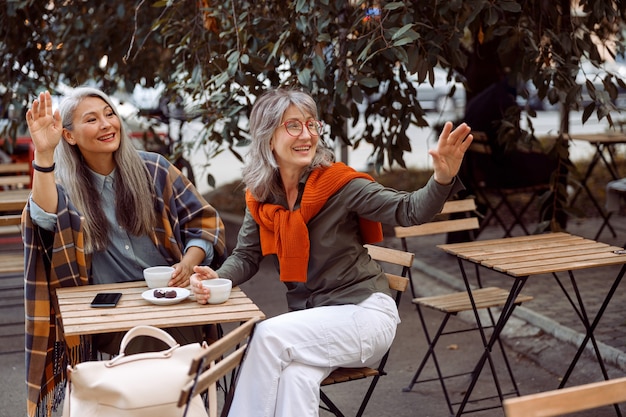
x,y
540,336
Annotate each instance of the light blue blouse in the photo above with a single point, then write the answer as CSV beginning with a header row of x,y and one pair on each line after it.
x,y
126,255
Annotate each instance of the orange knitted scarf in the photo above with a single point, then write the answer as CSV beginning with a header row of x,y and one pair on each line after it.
x,y
285,233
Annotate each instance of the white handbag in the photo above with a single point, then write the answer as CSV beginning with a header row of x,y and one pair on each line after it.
x,y
139,385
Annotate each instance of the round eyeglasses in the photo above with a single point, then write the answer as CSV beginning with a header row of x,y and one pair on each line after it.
x,y
295,127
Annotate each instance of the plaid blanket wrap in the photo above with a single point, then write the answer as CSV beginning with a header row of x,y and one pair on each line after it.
x,y
183,214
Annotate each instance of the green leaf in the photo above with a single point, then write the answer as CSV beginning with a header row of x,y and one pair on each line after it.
x,y
394,5
401,31
363,56
588,111
302,6
304,78
324,37
509,6
233,57
369,82
319,66
492,17
403,41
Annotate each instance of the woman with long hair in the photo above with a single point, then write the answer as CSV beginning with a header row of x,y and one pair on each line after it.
x,y
99,212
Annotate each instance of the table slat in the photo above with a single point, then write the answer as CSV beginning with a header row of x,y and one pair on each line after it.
x,y
539,258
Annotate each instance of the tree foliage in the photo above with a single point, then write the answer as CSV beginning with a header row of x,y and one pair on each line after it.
x,y
221,55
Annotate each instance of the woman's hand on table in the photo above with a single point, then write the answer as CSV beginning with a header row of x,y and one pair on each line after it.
x,y
181,275
184,269
201,273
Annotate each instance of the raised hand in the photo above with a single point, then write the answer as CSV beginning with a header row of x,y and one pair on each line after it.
x,y
45,127
451,148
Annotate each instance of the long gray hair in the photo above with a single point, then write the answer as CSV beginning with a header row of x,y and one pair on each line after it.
x,y
134,202
260,171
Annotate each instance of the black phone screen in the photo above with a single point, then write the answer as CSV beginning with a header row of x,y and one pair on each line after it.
x,y
106,299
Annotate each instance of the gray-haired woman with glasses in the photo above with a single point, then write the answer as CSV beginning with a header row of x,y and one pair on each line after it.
x,y
314,215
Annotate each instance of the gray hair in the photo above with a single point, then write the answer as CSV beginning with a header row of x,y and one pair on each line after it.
x,y
260,171
132,185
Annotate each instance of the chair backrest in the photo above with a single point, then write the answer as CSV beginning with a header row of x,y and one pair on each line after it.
x,y
220,358
390,255
564,401
442,223
398,283
455,216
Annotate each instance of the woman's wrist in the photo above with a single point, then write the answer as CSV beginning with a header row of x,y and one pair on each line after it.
x,y
44,159
441,182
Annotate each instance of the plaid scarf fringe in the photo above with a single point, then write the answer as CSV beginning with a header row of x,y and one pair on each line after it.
x,y
63,356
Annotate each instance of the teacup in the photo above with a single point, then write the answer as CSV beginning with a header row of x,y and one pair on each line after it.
x,y
220,289
158,276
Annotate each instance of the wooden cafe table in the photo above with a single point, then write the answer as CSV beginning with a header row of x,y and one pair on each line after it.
x,y
78,318
522,257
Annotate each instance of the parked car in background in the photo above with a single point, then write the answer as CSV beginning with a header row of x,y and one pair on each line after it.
x,y
528,99
437,97
587,72
442,96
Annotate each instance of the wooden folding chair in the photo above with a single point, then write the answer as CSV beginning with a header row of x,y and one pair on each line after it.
x,y
451,304
222,357
564,401
398,284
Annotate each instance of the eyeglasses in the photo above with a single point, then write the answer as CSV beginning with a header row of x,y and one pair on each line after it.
x,y
295,127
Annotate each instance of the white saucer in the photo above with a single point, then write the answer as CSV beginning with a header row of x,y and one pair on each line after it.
x,y
181,294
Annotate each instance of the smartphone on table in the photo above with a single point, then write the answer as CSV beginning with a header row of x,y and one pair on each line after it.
x,y
106,299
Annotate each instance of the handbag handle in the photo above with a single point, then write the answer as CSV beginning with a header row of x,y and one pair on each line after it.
x,y
147,331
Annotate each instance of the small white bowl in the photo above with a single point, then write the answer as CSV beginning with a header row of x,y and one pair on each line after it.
x,y
220,289
158,276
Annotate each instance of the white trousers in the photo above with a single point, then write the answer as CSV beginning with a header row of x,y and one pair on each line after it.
x,y
291,354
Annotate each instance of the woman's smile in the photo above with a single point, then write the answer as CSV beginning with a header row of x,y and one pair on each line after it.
x,y
302,148
107,138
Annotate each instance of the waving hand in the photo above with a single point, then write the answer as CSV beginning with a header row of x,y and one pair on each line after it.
x,y
45,126
448,155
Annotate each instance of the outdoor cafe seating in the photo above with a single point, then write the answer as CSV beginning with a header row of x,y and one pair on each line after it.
x,y
481,299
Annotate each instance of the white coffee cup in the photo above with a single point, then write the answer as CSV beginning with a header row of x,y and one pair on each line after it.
x,y
158,276
220,289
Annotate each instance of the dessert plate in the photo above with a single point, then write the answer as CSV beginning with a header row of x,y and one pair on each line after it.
x,y
181,294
